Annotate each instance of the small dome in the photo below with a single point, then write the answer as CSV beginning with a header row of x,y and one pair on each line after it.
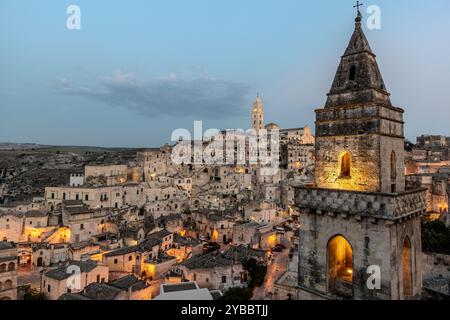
x,y
272,126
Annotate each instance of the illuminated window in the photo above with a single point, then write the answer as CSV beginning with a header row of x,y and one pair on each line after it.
x,y
340,262
346,161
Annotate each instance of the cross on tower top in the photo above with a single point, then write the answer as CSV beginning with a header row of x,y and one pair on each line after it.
x,y
358,5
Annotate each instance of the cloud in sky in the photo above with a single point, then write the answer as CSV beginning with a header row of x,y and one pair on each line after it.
x,y
170,96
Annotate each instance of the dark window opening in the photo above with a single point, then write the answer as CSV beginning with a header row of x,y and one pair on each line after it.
x,y
352,76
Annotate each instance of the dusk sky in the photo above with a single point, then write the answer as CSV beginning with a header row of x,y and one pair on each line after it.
x,y
139,69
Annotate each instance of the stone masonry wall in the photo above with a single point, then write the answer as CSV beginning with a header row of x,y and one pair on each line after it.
x,y
373,243
365,170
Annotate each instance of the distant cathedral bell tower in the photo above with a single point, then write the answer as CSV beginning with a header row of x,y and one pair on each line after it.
x,y
257,115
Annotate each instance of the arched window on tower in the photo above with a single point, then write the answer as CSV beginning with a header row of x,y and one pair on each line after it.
x,y
352,76
393,172
346,161
393,166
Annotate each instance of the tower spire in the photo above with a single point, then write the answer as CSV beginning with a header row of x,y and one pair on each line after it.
x,y
358,79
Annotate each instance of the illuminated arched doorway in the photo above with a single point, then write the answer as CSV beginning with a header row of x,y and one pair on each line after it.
x,y
340,262
407,266
345,162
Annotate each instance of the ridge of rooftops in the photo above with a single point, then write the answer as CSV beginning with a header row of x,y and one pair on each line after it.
x,y
107,291
62,272
4,245
185,240
27,214
234,255
147,245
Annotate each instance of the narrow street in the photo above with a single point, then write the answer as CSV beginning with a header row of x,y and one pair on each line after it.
x,y
274,270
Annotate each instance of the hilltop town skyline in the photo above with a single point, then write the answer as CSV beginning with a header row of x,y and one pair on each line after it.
x,y
133,91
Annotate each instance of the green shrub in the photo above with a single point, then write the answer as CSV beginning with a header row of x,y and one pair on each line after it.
x,y
435,237
237,293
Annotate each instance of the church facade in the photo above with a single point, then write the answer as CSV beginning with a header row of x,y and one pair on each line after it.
x,y
361,230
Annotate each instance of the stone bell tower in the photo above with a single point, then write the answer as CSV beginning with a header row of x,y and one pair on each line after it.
x,y
359,134
360,235
257,115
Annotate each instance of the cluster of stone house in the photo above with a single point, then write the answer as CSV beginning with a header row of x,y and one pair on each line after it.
x,y
428,166
149,220
221,270
115,221
8,271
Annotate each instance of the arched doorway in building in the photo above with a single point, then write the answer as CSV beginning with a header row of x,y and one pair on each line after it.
x,y
407,268
340,263
39,262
